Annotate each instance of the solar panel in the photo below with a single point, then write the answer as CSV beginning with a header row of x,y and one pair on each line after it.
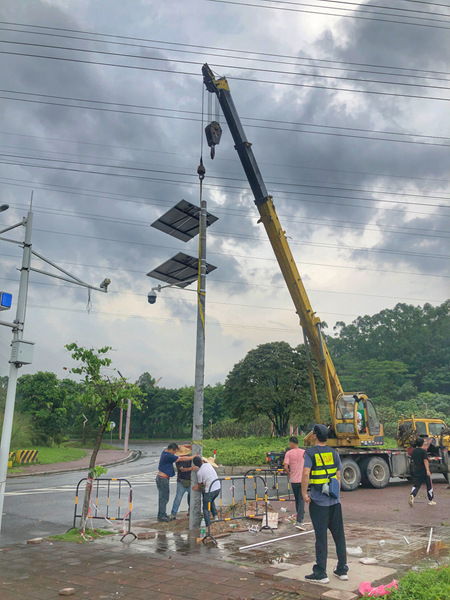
x,y
182,221
180,270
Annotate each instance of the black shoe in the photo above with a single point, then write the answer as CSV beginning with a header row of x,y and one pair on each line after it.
x,y
164,519
342,575
316,578
172,517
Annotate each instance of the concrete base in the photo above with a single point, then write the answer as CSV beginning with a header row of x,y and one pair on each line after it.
x,y
357,574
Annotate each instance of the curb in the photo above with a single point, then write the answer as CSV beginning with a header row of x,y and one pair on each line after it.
x,y
133,456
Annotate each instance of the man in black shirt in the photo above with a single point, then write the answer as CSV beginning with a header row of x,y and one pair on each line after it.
x,y
422,473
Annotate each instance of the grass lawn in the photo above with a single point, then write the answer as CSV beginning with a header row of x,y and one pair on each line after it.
x,y
47,456
75,536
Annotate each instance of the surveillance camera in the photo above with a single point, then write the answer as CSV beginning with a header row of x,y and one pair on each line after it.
x,y
104,284
151,297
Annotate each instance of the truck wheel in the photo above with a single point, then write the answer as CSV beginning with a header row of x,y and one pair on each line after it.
x,y
376,472
350,475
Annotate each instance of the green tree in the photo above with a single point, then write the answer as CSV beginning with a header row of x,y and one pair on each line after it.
x,y
271,380
42,396
104,391
413,335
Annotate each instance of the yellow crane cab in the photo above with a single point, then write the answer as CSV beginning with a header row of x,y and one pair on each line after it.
x,y
434,431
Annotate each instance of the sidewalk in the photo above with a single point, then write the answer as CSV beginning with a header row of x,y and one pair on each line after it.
x,y
103,571
170,565
104,457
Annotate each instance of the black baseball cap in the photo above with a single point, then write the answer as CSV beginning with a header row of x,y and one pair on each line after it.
x,y
321,431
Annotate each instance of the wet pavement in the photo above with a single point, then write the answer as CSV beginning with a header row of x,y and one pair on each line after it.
x,y
172,565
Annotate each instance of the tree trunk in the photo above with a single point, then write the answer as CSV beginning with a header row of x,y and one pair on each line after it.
x,y
91,473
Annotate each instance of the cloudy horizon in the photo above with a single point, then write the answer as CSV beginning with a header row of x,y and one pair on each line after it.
x,y
103,109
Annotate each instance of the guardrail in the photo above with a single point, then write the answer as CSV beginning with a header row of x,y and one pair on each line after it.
x,y
100,506
272,477
260,502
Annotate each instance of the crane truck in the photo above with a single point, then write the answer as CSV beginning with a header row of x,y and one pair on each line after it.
x,y
355,430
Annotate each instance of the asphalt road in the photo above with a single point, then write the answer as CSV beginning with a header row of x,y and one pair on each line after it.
x,y
43,505
38,506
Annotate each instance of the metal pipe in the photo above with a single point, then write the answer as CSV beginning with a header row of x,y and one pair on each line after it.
x,y
286,537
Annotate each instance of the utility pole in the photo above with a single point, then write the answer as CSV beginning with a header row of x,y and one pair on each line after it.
x,y
22,351
15,364
199,382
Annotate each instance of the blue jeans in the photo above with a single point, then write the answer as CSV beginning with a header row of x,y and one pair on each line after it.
x,y
208,500
163,496
181,490
299,503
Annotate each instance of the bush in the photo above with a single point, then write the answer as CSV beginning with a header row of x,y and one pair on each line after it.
x,y
232,428
249,451
432,584
22,433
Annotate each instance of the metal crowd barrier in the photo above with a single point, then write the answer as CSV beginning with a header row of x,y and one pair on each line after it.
x,y
100,505
260,502
272,478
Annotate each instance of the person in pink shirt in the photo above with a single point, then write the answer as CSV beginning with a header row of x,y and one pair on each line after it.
x,y
293,465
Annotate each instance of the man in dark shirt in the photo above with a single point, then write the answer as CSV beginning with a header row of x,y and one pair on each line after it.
x,y
422,473
183,481
165,471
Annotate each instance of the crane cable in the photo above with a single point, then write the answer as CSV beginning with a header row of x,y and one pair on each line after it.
x,y
201,171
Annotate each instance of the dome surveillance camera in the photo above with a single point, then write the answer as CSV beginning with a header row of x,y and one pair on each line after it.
x,y
151,297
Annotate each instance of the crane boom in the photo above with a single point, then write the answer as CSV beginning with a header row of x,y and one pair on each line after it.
x,y
277,236
343,408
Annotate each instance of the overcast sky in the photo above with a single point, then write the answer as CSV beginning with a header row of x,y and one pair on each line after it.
x,y
101,117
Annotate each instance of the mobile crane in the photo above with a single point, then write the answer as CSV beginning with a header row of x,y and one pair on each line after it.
x,y
350,434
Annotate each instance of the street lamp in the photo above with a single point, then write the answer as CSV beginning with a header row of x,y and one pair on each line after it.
x,y
184,221
21,350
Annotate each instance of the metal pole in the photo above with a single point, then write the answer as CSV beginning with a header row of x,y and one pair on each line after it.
x,y
127,428
197,425
120,423
14,368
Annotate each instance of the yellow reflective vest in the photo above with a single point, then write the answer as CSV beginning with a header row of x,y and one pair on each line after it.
x,y
324,465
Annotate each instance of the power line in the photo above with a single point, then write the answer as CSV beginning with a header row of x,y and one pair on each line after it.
x,y
242,53
214,281
233,212
146,244
245,119
362,8
240,68
219,178
352,16
297,167
245,56
240,190
172,72
347,225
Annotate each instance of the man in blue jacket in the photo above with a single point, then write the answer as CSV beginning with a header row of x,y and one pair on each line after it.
x,y
165,472
322,463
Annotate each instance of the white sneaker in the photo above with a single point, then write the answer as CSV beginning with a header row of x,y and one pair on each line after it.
x,y
411,500
432,503
300,526
342,576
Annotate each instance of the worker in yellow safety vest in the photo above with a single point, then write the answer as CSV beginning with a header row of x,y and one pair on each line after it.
x,y
322,474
